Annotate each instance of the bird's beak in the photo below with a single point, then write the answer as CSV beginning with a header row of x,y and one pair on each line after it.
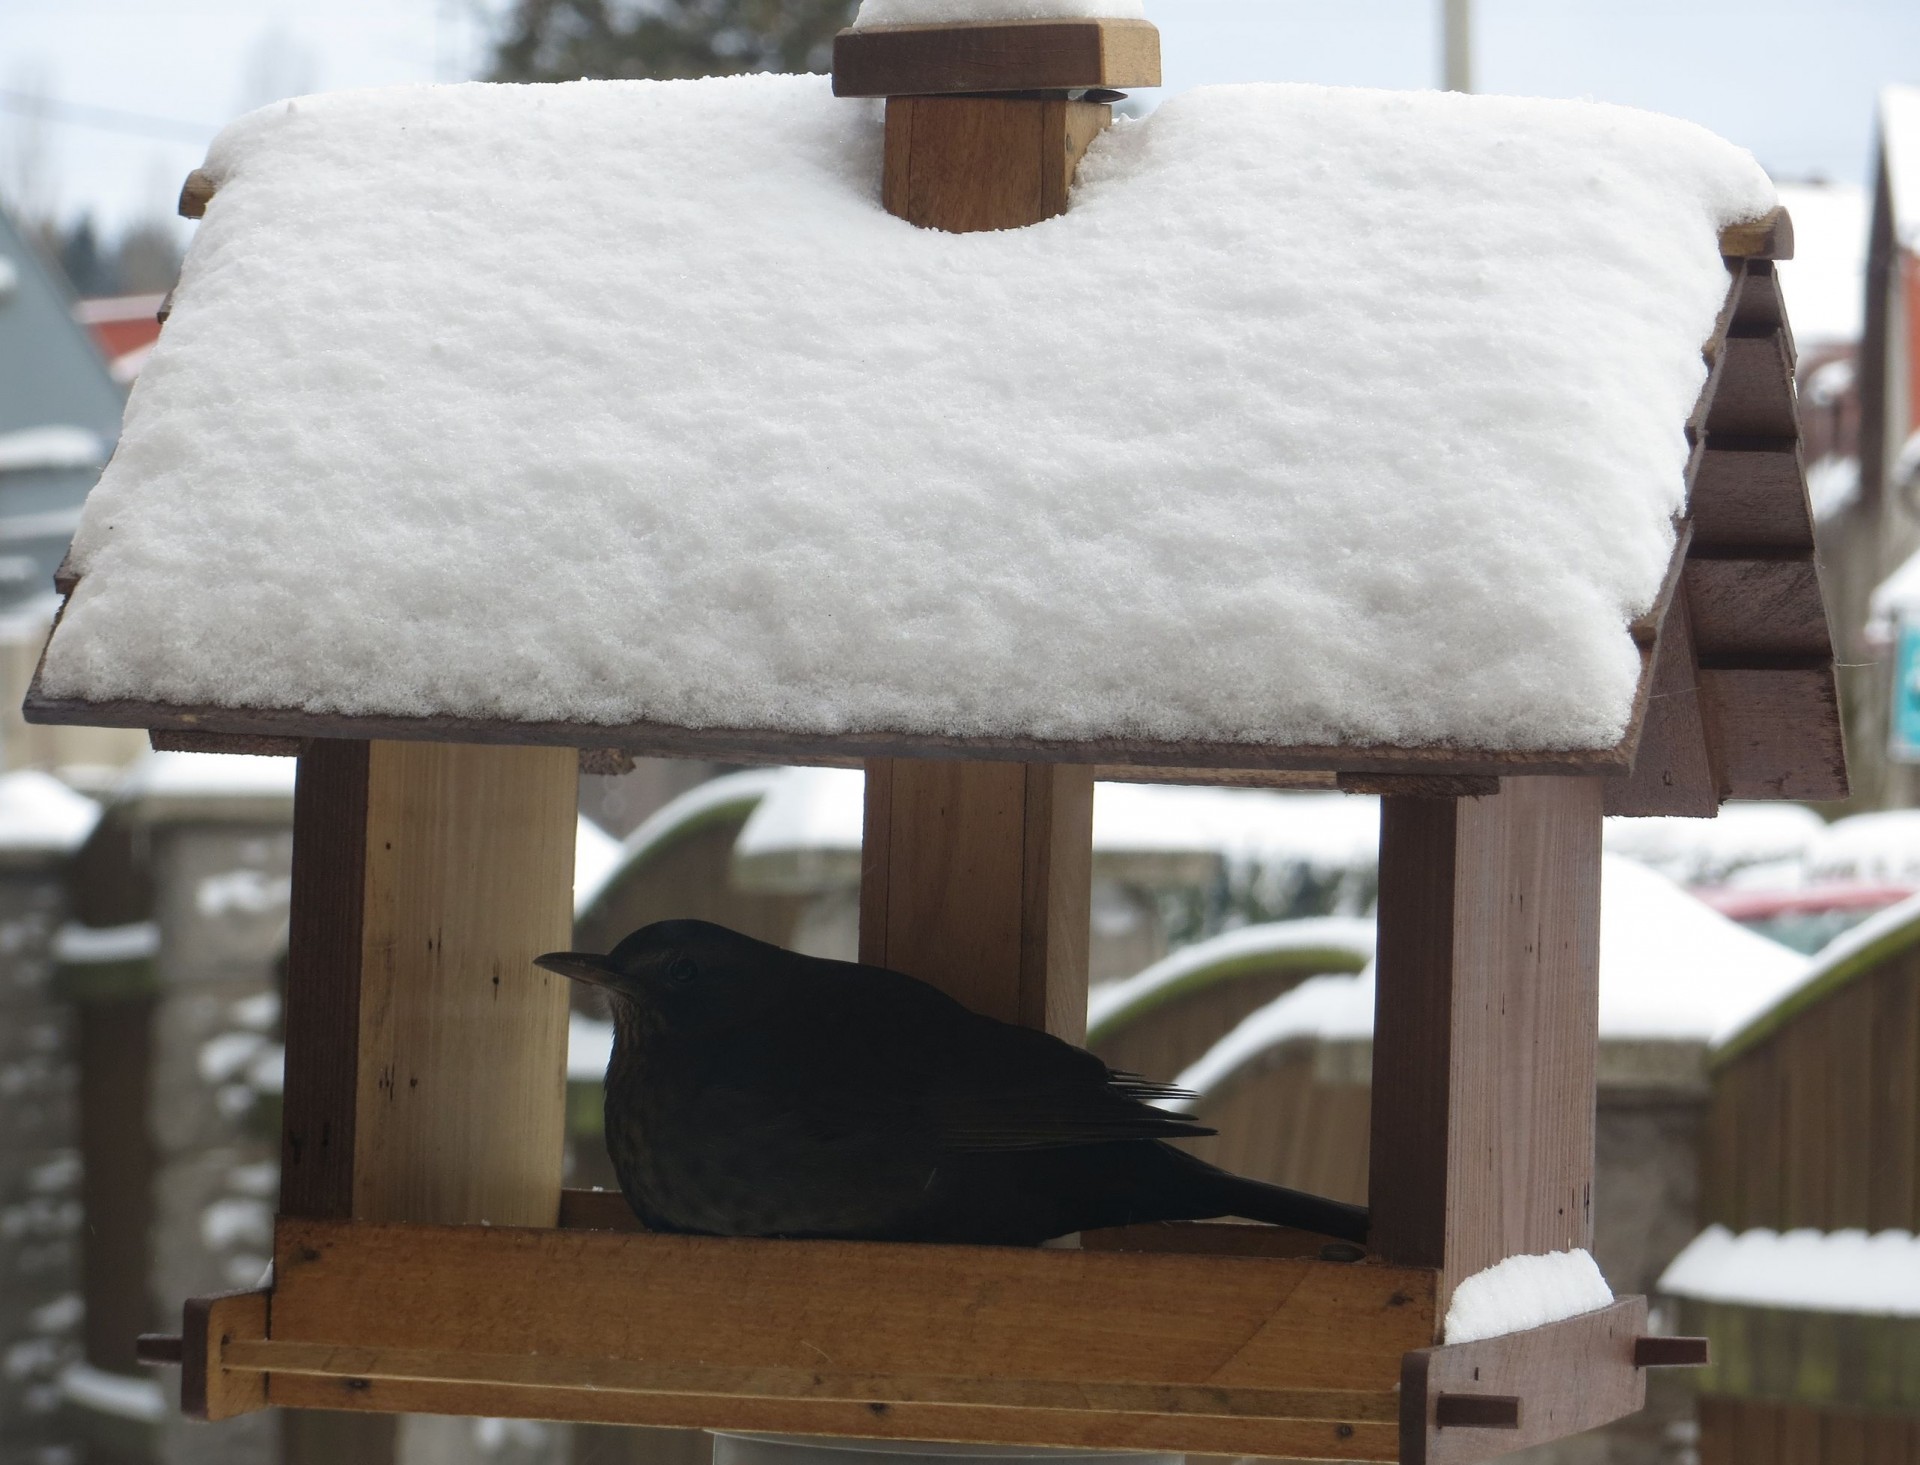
x,y
582,966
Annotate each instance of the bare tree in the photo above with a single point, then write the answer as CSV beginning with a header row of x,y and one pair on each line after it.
x,y
560,40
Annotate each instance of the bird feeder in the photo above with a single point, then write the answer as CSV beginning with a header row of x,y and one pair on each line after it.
x,y
1311,436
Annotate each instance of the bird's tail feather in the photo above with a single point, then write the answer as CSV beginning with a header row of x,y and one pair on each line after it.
x,y
1255,1200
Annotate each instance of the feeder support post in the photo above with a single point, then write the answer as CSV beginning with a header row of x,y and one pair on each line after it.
x,y
1486,1026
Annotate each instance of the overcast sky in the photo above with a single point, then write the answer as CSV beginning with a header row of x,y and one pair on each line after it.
x,y
1794,80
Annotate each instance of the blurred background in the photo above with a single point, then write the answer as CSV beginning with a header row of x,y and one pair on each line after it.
x,y
1760,973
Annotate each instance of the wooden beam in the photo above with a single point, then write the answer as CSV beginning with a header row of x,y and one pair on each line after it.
x,y
1676,769
1751,494
209,1389
1753,395
1485,1032
1768,237
1567,1377
995,56
977,878
1768,606
249,744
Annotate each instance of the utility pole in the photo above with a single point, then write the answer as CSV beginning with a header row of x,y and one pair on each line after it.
x,y
1457,45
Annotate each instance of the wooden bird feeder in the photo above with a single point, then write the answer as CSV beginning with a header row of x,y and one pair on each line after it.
x,y
426,1258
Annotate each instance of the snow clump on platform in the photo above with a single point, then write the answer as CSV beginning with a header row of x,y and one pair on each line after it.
x,y
1525,1292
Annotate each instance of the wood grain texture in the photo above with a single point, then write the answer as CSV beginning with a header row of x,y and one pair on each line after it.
x,y
1005,1341
323,980
1758,607
1768,237
977,878
1569,1376
250,744
969,164
1753,394
209,1390
1676,769
995,56
1751,496
461,1093
1486,1026
1780,731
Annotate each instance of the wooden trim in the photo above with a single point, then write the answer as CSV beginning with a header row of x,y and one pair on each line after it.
x,y
995,56
1746,607
249,744
1213,1354
209,1388
1768,237
1569,1376
761,745
1677,768
323,980
1780,731
1485,1031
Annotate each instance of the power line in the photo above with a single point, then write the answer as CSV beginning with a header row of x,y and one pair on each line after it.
x,y
106,119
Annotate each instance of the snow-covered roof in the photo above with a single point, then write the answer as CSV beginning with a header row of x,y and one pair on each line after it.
x,y
196,776
1670,968
1332,943
1709,851
1325,417
1900,151
1882,846
1825,282
50,447
732,795
41,815
1817,1271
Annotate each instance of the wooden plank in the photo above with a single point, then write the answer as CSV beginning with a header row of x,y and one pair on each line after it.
x,y
249,744
1751,495
1417,786
1569,1376
758,745
1893,1116
1848,1106
1753,394
904,1317
995,56
977,878
323,980
1486,1020
1326,781
1757,607
1676,770
1768,237
1317,1440
644,1376
968,164
1780,731
209,1389
461,1090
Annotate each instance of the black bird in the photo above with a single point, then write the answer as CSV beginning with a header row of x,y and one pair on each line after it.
x,y
756,1092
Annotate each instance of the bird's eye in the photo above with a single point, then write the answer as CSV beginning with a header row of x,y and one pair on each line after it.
x,y
681,970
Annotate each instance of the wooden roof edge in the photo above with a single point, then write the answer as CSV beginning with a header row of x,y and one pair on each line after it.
x,y
762,745
1768,237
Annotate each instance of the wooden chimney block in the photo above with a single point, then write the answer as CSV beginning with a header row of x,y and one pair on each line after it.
x,y
965,164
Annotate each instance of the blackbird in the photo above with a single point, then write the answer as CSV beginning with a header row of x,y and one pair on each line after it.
x,y
756,1092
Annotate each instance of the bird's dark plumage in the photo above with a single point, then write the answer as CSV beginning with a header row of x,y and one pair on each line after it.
x,y
757,1092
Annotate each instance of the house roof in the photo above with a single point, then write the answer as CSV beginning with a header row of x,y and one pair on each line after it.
x,y
1900,154
1327,421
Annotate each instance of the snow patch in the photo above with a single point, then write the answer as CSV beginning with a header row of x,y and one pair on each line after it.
x,y
1525,1292
93,1388
50,447
78,945
1821,1271
38,812
589,1047
1381,443
207,775
1711,851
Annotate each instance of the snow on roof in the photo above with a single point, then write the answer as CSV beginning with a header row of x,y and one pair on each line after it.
x,y
1900,149
731,793
1326,416
1344,941
933,12
206,775
1525,1292
1816,1271
78,945
1825,283
38,813
1708,851
50,447
1670,968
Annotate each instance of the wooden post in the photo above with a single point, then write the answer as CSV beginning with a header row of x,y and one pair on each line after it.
x,y
965,164
977,877
426,1054
1485,1029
